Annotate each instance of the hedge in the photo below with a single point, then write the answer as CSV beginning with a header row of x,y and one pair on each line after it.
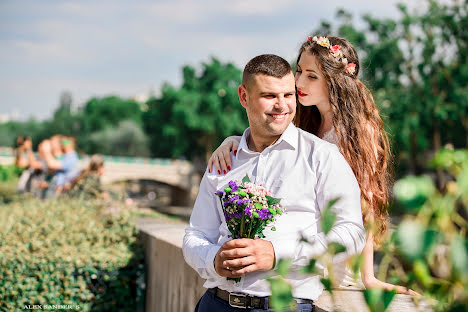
x,y
71,253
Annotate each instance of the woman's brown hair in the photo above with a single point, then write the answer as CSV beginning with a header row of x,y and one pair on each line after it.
x,y
362,139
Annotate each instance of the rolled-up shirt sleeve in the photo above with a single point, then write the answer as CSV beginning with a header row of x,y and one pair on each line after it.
x,y
335,180
200,243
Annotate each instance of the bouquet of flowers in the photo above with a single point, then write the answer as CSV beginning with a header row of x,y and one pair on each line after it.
x,y
248,208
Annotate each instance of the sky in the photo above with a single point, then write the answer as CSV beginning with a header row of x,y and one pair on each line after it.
x,y
130,48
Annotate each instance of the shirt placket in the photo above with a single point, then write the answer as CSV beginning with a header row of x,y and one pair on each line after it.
x,y
262,168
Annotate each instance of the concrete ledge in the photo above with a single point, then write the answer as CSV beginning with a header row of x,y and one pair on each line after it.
x,y
173,286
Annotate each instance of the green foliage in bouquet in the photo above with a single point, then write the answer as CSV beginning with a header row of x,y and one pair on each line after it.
x,y
68,252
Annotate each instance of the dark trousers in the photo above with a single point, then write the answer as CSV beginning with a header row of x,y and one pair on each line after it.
x,y
210,303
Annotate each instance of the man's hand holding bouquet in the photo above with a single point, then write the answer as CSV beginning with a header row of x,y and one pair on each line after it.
x,y
248,208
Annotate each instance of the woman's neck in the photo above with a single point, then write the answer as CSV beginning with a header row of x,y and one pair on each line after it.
x,y
327,122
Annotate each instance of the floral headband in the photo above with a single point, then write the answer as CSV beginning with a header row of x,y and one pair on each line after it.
x,y
335,51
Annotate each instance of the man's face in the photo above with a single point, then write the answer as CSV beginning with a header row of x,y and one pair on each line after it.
x,y
270,103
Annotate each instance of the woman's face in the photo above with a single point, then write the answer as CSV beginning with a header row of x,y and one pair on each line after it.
x,y
311,85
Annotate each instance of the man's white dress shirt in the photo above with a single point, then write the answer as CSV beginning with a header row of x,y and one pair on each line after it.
x,y
306,173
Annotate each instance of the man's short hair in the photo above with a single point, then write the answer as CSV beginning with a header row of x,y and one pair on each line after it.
x,y
266,64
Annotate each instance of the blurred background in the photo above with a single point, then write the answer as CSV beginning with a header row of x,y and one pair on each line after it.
x,y
152,86
159,78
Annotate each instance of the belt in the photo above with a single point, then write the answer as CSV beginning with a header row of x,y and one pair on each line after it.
x,y
244,301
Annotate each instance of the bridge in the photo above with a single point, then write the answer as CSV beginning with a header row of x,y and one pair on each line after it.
x,y
179,175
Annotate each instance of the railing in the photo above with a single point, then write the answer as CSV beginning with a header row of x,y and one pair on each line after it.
x,y
9,153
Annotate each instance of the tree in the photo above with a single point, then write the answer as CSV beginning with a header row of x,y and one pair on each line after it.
x,y
192,120
102,113
417,68
126,139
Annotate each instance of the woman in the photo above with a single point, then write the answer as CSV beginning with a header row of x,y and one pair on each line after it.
x,y
337,107
88,183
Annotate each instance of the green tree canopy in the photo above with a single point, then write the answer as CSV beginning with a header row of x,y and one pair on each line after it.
x,y
416,66
191,120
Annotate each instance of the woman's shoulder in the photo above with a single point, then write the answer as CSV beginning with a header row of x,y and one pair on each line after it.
x,y
315,142
331,136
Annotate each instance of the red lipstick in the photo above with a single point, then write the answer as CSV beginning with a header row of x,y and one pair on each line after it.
x,y
301,94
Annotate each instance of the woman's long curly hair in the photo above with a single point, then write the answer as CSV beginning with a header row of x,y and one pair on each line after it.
x,y
362,139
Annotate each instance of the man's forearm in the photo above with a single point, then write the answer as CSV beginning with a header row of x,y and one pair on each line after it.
x,y
200,253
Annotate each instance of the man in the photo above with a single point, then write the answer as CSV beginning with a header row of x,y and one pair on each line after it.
x,y
294,165
66,167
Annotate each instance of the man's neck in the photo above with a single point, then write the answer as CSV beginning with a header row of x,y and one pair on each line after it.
x,y
259,145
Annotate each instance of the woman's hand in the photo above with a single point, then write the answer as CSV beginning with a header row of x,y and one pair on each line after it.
x,y
367,271
373,282
221,157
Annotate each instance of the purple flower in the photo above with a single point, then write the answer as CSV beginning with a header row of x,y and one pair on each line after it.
x,y
233,199
263,213
247,211
219,193
242,201
233,186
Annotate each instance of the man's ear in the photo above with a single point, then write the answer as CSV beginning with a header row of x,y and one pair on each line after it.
x,y
242,91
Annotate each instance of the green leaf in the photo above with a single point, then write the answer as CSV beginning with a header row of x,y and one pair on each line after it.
x,y
335,248
414,241
258,206
327,284
459,255
462,183
283,267
272,211
328,217
273,229
227,190
421,271
281,294
272,200
388,297
309,268
246,178
356,263
413,191
378,299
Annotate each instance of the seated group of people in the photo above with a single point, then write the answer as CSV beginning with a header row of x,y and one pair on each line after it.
x,y
56,169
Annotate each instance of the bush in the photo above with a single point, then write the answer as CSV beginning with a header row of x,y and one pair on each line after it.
x,y
69,252
9,172
8,191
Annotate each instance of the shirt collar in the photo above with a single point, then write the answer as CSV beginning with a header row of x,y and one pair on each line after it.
x,y
290,136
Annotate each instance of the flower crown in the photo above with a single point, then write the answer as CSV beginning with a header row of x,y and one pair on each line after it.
x,y
335,51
